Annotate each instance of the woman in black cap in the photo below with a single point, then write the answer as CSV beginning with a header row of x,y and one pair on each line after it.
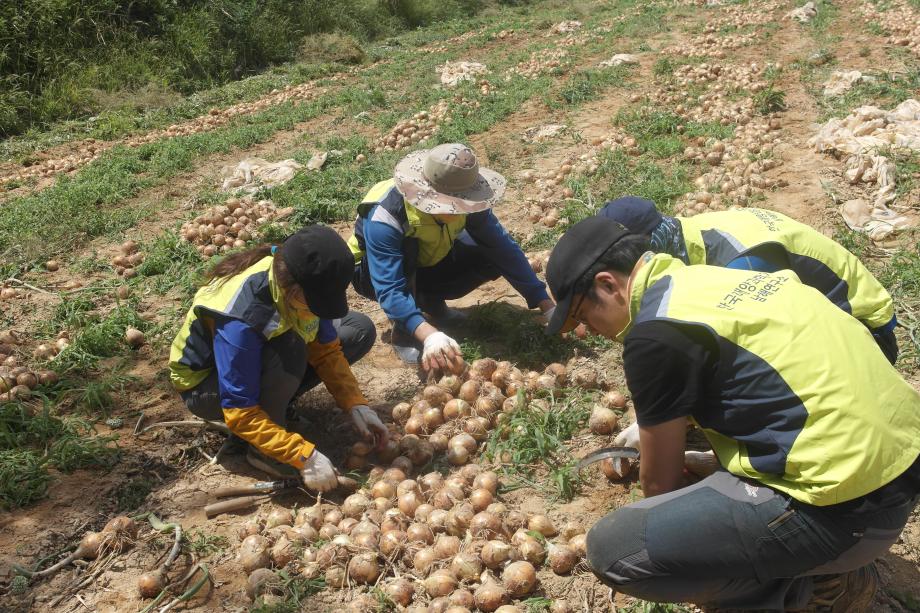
x,y
271,323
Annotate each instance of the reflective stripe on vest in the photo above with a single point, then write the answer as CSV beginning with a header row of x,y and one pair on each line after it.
x,y
384,204
805,401
720,237
253,297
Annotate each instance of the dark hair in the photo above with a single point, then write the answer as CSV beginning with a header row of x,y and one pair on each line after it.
x,y
236,263
620,257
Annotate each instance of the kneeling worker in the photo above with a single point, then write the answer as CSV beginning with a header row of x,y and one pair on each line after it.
x,y
271,324
817,435
428,235
758,239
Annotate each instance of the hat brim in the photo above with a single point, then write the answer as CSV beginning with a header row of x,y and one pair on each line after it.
x,y
562,320
418,191
327,306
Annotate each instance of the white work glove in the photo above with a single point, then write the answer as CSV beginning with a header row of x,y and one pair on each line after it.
x,y
440,351
547,315
369,425
318,474
628,437
701,463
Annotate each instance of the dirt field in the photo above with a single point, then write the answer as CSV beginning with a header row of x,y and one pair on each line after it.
x,y
738,79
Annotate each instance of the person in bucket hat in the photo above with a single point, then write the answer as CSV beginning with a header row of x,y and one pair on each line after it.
x,y
428,235
271,323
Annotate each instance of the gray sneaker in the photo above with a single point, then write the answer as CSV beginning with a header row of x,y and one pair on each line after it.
x,y
267,465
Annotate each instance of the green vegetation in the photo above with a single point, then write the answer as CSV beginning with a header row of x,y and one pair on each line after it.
x,y
885,90
770,100
535,439
64,60
30,444
293,592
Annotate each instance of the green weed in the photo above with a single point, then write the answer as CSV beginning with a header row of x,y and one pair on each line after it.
x,y
203,544
885,90
23,478
770,100
587,85
293,590
131,495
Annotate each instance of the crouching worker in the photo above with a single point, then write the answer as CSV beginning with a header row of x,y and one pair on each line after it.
x,y
428,235
758,239
816,433
271,323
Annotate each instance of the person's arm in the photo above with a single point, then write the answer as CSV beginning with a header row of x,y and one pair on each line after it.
x,y
661,448
383,250
667,370
238,359
326,357
508,258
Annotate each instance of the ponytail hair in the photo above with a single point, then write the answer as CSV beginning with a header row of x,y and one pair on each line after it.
x,y
236,263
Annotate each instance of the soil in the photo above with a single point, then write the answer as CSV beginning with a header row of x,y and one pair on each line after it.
x,y
174,463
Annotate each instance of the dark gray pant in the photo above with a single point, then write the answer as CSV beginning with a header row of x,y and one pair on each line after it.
x,y
729,542
285,371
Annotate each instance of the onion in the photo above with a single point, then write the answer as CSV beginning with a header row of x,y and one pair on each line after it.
x,y
579,543
436,395
334,516
389,452
400,591
477,427
519,578
421,533
486,406
488,481
433,418
498,509
616,468
562,558
495,553
586,379
457,455
462,598
327,532
355,505
282,552
457,408
278,517
423,511
401,412
28,379
459,519
149,585
571,529
248,528
419,408
446,546
560,606
408,503
306,533
483,368
414,425
423,560
347,525
480,498
392,542
532,550
260,581
438,605
485,525
254,553
335,577
438,520
128,247
439,441
451,383
394,475
383,489
515,520
465,440
134,337
403,463
558,371
363,568
466,566
440,583
543,525
457,481
431,482
614,400
47,377
602,420
469,391
489,596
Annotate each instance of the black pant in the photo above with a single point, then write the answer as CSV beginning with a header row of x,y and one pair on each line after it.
x,y
286,374
466,266
733,543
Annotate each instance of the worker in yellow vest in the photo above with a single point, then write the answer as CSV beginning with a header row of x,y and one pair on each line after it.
x,y
429,235
270,324
758,239
816,434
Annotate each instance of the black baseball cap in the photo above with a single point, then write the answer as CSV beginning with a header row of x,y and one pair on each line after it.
x,y
638,214
577,251
323,265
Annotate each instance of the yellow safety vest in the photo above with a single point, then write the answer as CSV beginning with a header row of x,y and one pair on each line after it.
x,y
383,203
719,237
254,297
805,402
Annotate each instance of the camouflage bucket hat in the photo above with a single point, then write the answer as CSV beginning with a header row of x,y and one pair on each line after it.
x,y
447,180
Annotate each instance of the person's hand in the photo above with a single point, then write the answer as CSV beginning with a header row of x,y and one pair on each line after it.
x,y
369,425
628,437
318,473
441,352
701,463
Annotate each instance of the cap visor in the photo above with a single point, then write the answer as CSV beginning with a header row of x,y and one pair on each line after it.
x,y
328,307
560,321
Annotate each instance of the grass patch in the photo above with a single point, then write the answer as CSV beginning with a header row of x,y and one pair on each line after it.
x,y
619,175
587,85
887,90
661,133
769,100
203,544
132,494
534,440
293,592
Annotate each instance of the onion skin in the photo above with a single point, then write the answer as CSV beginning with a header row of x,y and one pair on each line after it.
x,y
519,579
149,585
489,596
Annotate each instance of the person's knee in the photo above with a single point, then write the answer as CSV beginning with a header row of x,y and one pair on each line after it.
x,y
616,548
359,337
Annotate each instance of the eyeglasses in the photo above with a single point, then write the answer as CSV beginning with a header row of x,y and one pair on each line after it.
x,y
574,313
